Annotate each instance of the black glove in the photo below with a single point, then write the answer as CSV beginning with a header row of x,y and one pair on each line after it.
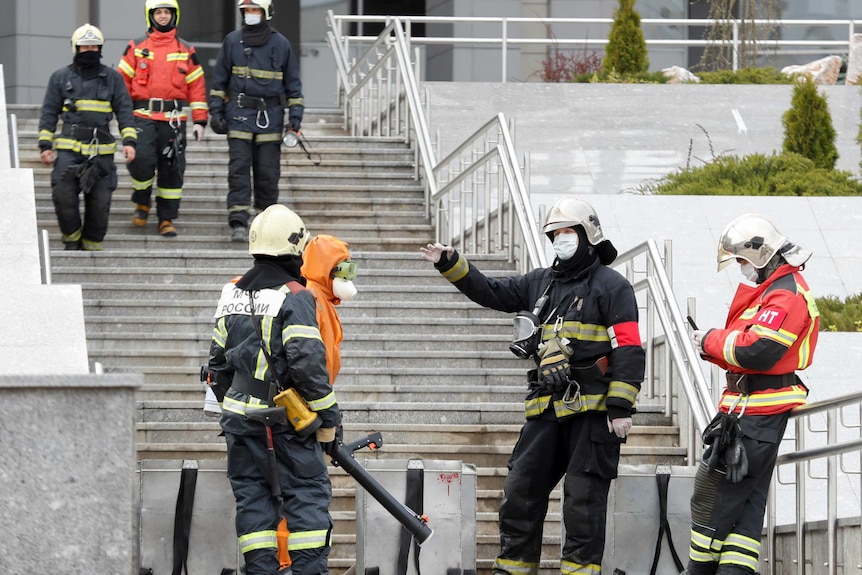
x,y
293,125
89,173
554,366
71,173
736,461
218,122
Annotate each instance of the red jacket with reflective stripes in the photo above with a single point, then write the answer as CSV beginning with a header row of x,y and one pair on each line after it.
x,y
161,65
771,329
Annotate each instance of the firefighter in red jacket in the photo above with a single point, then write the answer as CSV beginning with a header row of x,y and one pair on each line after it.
x,y
163,76
771,332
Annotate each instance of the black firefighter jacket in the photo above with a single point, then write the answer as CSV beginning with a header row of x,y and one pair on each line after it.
x,y
599,316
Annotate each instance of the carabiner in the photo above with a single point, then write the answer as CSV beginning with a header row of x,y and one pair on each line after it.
x,y
174,119
558,324
265,116
570,398
94,145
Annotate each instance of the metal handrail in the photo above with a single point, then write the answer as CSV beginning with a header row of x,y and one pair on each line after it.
x,y
380,96
506,41
799,459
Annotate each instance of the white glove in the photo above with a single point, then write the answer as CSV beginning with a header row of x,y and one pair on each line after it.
x,y
697,338
620,426
433,252
198,131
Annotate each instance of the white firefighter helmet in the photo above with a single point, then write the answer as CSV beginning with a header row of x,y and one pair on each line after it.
x,y
277,231
754,239
265,5
568,213
87,35
172,5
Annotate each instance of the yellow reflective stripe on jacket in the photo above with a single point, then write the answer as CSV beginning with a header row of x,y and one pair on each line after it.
x,y
242,407
516,567
781,336
85,149
295,102
298,330
571,568
139,53
793,395
239,135
194,75
46,136
730,348
623,390
324,402
258,540
129,132
126,69
307,539
576,330
93,106
261,365
247,72
198,106
220,333
268,137
177,56
457,272
750,312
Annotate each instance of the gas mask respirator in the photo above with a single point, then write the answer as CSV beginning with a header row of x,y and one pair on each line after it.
x,y
528,330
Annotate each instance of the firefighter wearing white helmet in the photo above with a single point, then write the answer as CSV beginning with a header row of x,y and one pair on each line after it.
x,y
577,322
256,96
770,333
270,301
166,82
85,96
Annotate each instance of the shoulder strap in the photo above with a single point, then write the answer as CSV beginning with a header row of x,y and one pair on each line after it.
x,y
413,498
662,480
183,516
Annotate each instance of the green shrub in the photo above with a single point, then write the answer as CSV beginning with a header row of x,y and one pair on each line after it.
x,y
626,50
766,75
836,315
757,175
808,126
613,77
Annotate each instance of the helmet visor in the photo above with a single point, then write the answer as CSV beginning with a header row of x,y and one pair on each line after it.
x,y
345,270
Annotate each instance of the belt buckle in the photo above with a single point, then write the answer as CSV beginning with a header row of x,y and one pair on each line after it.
x,y
240,99
161,103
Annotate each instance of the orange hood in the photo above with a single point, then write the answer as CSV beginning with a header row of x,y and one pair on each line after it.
x,y
321,255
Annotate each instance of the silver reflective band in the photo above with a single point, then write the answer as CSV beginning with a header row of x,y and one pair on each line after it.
x,y
290,139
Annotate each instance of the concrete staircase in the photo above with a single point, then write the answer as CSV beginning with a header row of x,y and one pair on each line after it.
x,y
421,364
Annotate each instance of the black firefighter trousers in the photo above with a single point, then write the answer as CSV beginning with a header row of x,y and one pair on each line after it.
x,y
262,158
579,447
66,191
305,496
154,136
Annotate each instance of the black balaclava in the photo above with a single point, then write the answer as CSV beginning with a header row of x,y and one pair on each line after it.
x,y
88,63
169,26
271,271
256,35
770,267
581,260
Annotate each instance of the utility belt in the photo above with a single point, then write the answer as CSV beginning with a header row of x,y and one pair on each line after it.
x,y
259,103
159,105
248,385
751,382
82,133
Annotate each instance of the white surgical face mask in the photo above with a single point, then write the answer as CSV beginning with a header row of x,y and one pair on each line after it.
x,y
343,289
251,19
565,245
748,271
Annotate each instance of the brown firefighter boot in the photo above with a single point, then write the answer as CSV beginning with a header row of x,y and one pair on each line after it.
x,y
139,218
167,229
